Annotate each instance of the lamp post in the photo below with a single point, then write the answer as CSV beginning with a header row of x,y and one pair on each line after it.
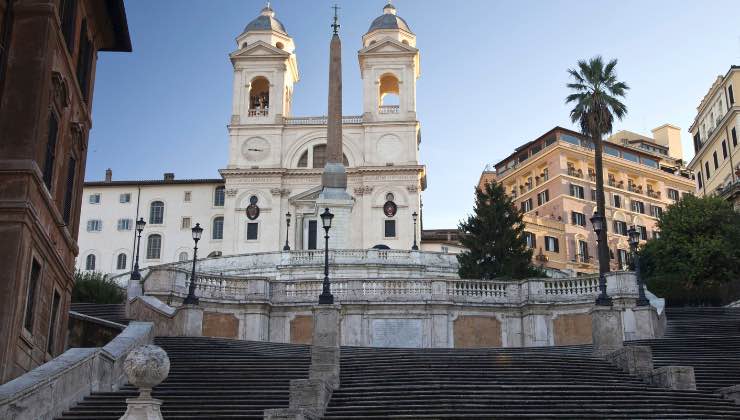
x,y
634,238
135,275
326,297
414,247
287,231
191,299
597,221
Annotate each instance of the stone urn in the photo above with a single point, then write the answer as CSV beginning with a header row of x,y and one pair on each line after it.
x,y
146,367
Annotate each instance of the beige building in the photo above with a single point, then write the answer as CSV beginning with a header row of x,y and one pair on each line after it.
x,y
715,131
552,179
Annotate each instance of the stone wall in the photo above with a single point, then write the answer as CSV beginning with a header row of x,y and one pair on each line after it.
x,y
220,325
301,329
86,331
572,329
477,331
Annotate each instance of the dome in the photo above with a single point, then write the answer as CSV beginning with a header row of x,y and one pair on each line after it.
x,y
266,22
389,20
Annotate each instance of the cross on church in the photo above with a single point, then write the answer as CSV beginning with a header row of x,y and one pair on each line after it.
x,y
335,25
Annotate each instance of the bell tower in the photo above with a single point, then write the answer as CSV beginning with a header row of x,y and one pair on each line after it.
x,y
389,66
265,70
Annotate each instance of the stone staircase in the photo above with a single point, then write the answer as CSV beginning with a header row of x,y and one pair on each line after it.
x,y
109,312
214,378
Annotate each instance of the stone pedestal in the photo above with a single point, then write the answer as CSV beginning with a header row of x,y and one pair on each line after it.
x,y
142,409
636,360
190,320
606,332
325,344
674,377
731,393
340,204
645,320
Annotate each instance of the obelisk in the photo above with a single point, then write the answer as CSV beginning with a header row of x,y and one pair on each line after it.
x,y
334,178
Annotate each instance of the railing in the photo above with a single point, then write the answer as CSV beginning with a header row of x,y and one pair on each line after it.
x,y
576,173
389,109
321,120
477,288
258,112
582,258
653,194
577,286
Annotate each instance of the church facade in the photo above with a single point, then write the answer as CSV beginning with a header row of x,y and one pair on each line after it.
x,y
268,191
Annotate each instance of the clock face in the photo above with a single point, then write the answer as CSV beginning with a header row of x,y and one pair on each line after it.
x,y
255,149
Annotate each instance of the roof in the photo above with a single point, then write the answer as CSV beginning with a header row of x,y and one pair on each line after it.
x,y
153,182
389,20
266,22
117,15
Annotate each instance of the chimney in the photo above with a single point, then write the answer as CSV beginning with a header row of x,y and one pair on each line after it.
x,y
169,176
670,136
108,175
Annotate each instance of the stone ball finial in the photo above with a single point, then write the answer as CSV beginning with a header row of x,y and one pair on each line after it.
x,y
146,367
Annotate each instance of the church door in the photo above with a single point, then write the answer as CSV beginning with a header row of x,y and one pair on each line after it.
x,y
312,227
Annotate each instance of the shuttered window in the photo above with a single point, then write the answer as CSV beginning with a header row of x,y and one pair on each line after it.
x,y
84,61
51,341
33,281
51,146
68,12
70,189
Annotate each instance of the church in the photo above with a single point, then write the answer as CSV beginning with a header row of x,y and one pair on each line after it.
x,y
269,194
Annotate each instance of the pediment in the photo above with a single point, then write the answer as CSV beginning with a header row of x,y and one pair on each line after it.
x,y
310,194
387,46
260,49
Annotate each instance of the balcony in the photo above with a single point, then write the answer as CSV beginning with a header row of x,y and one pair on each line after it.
x,y
389,109
258,112
576,173
583,259
653,194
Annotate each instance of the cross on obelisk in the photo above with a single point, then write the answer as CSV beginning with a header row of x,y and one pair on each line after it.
x,y
334,178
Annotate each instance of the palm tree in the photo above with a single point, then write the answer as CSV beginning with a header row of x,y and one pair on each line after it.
x,y
596,98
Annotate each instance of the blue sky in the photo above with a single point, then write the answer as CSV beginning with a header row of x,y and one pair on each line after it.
x,y
493,76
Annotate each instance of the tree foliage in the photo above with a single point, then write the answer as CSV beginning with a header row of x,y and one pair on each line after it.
x,y
493,236
95,287
696,260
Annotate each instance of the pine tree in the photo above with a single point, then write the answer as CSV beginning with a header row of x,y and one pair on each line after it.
x,y
494,238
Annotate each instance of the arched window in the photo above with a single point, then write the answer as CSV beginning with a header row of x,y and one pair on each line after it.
x,y
219,196
183,256
90,262
156,213
319,156
218,228
388,94
154,247
259,97
121,261
303,161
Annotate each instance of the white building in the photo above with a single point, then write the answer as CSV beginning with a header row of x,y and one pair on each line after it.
x,y
275,163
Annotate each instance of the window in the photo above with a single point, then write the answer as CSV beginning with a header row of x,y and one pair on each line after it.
x,y
156,213
94,225
631,157
84,61
53,322
543,197
531,239
656,211
185,223
643,232
218,228
68,13
732,97
611,150
697,142
551,244
154,247
124,198
724,149
389,230
620,228
319,156
706,167
673,194
698,180
183,256
124,224
576,191
219,196
445,249
303,160
734,137
252,231
51,146
617,201
593,194
33,281
637,206
312,234
570,139
578,218
649,162
121,261
186,196
622,259
582,251
90,262
70,191
716,161
526,205
94,198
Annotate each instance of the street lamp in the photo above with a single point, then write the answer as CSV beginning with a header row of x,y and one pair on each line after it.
x,y
135,275
191,299
287,231
634,239
326,297
597,221
414,247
